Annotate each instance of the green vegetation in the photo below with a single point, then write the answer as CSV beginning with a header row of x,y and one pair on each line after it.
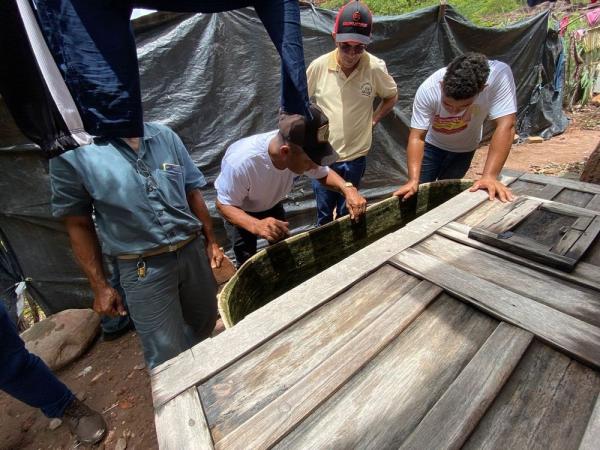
x,y
481,12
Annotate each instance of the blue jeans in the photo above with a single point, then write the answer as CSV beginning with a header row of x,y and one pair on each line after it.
x,y
327,200
174,306
94,39
243,242
25,376
117,323
441,164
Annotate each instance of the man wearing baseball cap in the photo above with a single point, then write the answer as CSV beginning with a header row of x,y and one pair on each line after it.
x,y
257,172
344,83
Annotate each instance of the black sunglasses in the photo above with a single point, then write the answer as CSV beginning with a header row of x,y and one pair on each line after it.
x,y
349,48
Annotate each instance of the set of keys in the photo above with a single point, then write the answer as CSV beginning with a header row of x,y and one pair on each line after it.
x,y
141,268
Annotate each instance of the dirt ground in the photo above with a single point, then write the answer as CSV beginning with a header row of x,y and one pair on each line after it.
x,y
111,375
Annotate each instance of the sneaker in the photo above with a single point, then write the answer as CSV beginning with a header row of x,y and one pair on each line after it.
x,y
87,425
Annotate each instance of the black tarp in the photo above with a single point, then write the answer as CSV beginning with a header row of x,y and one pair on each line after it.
x,y
215,79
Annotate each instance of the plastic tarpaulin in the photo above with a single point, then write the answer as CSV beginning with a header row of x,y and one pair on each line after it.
x,y
215,79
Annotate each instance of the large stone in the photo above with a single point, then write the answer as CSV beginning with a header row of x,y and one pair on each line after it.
x,y
62,337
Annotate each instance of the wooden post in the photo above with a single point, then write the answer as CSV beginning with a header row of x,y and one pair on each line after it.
x,y
442,10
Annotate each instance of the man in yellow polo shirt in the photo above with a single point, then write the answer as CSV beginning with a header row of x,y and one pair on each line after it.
x,y
344,83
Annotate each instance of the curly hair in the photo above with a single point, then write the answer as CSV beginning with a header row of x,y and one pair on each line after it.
x,y
466,76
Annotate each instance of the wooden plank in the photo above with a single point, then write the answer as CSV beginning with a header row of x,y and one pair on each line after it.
x,y
263,324
549,192
564,182
577,301
382,404
591,438
569,334
478,215
510,215
575,198
584,274
594,203
457,412
566,242
545,404
567,210
269,425
180,423
234,394
582,223
524,247
586,240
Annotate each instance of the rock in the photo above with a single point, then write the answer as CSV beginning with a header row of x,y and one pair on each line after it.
x,y
54,424
535,140
516,138
121,444
139,366
62,337
225,272
81,395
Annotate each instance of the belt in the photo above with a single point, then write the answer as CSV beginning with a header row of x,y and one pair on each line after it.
x,y
160,250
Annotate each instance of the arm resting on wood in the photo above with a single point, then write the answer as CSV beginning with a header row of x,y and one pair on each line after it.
x,y
499,149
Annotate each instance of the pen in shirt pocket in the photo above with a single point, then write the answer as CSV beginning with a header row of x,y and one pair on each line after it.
x,y
171,167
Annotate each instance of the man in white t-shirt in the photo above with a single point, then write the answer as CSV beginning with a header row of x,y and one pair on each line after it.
x,y
257,172
449,110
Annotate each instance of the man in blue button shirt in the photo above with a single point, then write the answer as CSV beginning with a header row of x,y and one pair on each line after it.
x,y
150,215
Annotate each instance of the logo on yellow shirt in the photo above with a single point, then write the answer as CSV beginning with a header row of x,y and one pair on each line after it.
x,y
366,89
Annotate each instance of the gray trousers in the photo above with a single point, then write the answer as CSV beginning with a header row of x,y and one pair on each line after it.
x,y
175,305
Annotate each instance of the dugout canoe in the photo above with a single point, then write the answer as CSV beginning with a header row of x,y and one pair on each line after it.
x,y
283,266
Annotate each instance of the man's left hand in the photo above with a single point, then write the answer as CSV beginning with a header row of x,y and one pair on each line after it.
x,y
494,188
356,203
215,254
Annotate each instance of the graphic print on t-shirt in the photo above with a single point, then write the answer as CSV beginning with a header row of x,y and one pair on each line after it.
x,y
452,124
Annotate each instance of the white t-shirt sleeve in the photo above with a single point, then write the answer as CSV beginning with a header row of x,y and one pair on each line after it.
x,y
232,185
424,107
318,173
503,97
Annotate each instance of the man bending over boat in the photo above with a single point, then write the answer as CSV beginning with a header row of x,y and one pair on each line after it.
x,y
257,172
449,110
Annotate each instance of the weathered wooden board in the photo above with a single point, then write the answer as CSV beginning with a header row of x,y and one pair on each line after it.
x,y
569,334
510,214
573,197
539,190
457,412
545,404
585,274
563,182
577,301
594,203
170,379
381,405
236,393
180,423
270,424
591,438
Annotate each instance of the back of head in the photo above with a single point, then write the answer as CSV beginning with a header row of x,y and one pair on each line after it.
x,y
466,76
353,23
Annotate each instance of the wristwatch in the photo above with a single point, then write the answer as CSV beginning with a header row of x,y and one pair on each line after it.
x,y
348,184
